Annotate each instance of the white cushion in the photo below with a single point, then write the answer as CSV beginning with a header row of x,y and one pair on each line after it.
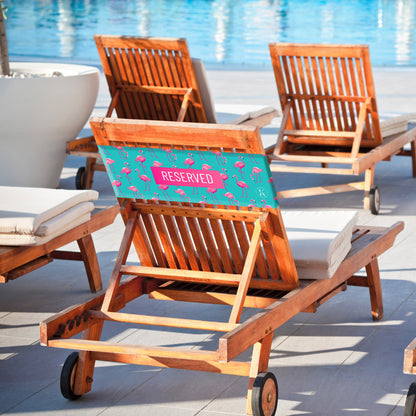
x,y
319,240
35,240
23,210
56,223
394,125
206,97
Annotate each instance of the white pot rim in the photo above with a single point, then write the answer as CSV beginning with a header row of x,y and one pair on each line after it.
x,y
67,70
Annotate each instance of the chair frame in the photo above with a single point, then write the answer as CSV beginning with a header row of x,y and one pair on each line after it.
x,y
165,264
330,115
149,78
20,260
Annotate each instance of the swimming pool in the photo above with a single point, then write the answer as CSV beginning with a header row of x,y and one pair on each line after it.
x,y
231,32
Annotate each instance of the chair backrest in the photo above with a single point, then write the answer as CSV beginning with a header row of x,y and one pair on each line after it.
x,y
149,78
207,227
327,89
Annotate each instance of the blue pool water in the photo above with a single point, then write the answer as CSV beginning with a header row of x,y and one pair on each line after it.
x,y
231,32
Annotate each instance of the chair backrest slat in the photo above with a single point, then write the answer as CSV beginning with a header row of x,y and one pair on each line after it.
x,y
150,63
326,86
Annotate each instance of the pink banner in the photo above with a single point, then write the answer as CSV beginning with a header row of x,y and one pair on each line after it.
x,y
187,177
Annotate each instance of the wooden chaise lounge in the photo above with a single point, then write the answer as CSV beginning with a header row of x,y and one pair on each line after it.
x,y
206,238
330,120
35,223
153,79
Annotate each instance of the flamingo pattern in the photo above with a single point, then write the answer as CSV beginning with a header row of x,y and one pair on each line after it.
x,y
256,189
141,159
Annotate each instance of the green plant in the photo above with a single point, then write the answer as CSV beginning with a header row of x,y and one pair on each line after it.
x,y
4,54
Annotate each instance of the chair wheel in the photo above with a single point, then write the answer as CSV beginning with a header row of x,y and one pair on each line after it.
x,y
80,178
374,200
264,395
68,377
410,405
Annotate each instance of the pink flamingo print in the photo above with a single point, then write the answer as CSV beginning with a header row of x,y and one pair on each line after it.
x,y
105,150
126,170
239,165
206,167
164,189
170,155
155,197
203,200
242,185
141,159
145,179
265,205
151,151
220,158
182,195
109,165
253,160
157,164
270,180
252,204
122,153
256,173
231,197
117,183
189,160
136,191
201,155
212,191
224,177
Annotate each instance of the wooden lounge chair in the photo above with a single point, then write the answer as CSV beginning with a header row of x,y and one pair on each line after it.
x,y
202,243
57,217
153,79
330,117
409,367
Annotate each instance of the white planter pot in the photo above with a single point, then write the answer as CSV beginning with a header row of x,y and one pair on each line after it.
x,y
38,116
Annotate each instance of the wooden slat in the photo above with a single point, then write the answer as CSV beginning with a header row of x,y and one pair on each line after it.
x,y
204,277
133,349
234,368
409,361
164,321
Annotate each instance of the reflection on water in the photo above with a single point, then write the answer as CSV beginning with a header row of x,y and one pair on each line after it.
x,y
219,31
405,20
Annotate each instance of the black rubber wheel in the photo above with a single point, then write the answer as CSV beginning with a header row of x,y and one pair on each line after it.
x,y
410,405
80,178
374,200
68,376
265,395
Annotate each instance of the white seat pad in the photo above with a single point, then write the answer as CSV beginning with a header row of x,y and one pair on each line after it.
x,y
319,240
23,210
35,240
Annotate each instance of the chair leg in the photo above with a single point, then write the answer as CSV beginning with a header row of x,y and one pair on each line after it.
x,y
259,363
413,155
85,367
374,286
368,183
89,172
89,256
